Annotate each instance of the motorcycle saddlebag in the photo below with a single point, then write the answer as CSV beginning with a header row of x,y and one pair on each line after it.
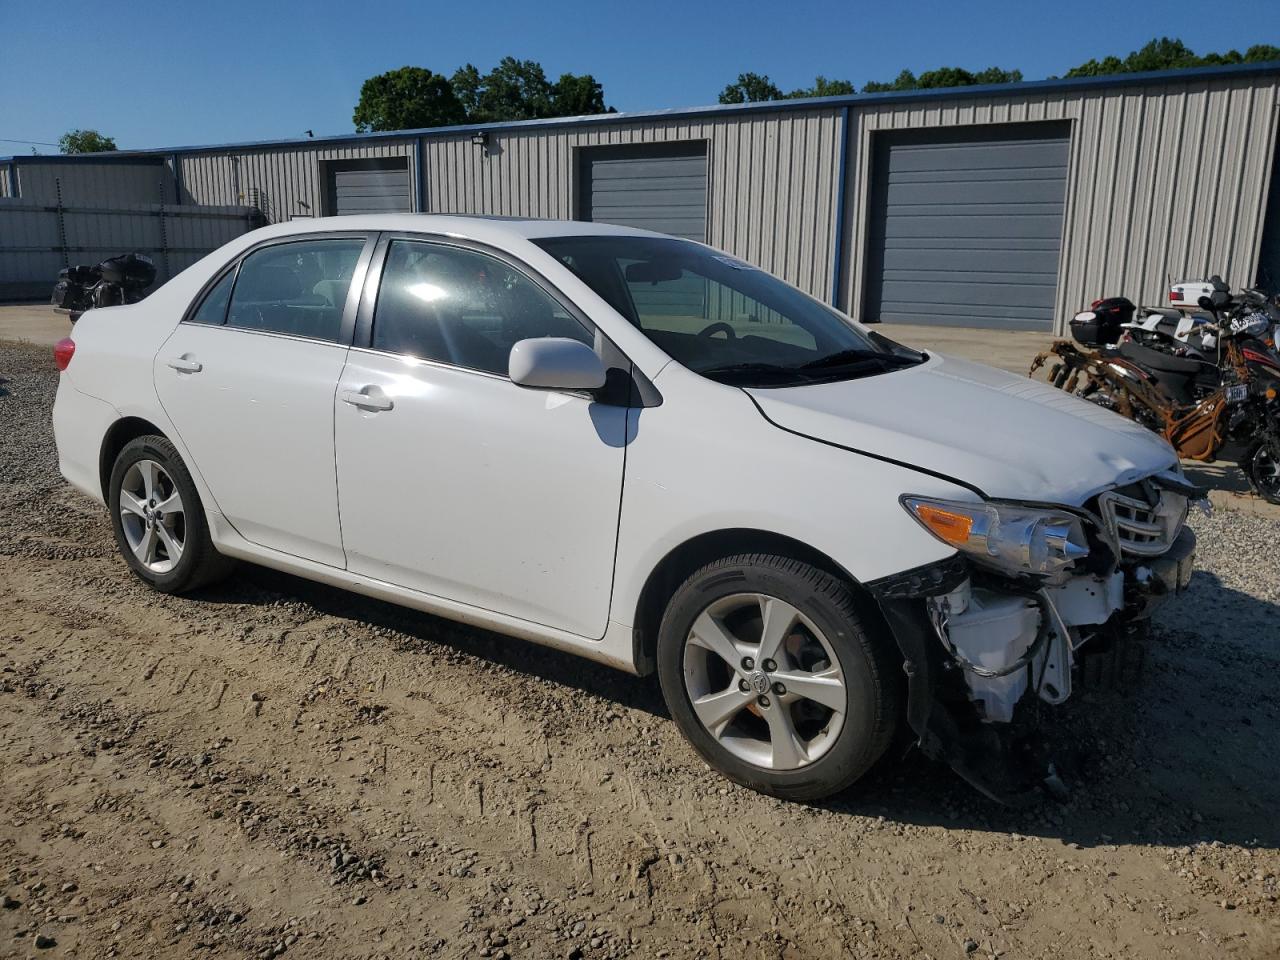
x,y
64,293
131,270
81,274
1101,324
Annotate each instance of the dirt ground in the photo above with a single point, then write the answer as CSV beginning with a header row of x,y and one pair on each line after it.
x,y
273,767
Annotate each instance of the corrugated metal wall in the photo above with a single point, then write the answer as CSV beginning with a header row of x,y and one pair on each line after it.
x,y
772,176
772,181
282,182
36,241
1166,180
96,183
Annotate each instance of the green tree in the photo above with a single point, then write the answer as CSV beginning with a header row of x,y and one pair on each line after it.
x,y
407,99
943,77
513,90
575,96
467,82
1168,54
85,141
756,87
751,88
823,87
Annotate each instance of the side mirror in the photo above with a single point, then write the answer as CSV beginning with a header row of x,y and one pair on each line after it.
x,y
555,363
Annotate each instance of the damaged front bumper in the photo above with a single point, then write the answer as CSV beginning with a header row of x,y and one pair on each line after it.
x,y
980,647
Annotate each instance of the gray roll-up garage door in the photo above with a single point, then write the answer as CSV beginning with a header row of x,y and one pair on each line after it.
x,y
659,187
369,186
966,226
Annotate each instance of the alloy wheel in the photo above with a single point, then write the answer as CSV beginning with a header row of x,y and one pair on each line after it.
x,y
153,516
764,681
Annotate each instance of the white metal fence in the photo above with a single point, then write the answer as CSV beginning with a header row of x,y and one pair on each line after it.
x,y
38,239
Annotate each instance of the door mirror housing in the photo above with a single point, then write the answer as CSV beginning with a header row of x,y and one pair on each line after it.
x,y
555,363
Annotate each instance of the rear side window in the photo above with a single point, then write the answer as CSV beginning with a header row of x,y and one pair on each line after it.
x,y
298,289
214,309
457,306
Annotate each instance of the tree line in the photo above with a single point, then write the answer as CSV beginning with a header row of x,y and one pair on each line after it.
x,y
415,97
1160,54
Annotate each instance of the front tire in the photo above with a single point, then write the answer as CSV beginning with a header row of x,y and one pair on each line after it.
x,y
776,677
158,519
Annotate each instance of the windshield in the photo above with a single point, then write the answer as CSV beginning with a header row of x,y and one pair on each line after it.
x,y
724,318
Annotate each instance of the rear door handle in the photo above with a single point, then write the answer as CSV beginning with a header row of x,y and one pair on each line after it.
x,y
373,399
185,365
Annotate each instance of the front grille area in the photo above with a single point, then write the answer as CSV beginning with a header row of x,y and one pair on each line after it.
x,y
1142,519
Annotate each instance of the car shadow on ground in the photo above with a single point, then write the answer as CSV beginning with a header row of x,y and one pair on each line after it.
x,y
423,631
1189,754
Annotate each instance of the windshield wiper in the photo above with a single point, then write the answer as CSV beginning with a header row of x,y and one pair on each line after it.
x,y
859,355
749,369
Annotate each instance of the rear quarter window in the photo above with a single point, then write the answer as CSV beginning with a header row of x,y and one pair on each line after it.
x,y
213,309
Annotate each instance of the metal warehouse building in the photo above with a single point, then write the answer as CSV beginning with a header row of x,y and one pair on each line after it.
x,y
1004,206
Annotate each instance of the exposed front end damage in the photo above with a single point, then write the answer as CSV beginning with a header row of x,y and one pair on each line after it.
x,y
984,644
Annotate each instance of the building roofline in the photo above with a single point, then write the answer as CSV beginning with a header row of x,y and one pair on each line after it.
x,y
1189,75
151,157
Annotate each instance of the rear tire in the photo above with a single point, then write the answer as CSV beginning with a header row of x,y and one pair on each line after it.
x,y
159,521
1263,469
811,702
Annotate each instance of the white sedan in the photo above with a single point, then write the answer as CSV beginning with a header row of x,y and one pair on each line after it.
x,y
641,450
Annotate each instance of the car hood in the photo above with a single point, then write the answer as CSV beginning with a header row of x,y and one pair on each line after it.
x,y
1009,436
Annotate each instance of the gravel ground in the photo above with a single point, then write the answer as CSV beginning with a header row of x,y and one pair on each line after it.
x,y
273,767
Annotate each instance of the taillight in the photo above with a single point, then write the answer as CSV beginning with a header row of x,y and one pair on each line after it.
x,y
63,351
1095,305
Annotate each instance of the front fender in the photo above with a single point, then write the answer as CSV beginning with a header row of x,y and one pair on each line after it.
x,y
682,482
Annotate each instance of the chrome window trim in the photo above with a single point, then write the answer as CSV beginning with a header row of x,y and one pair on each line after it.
x,y
410,359
272,333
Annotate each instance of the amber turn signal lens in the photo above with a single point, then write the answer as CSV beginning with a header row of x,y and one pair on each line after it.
x,y
1271,393
953,528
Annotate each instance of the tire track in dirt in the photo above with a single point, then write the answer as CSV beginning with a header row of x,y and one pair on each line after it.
x,y
332,776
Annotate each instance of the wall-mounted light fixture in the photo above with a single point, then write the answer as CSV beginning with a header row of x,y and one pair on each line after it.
x,y
481,139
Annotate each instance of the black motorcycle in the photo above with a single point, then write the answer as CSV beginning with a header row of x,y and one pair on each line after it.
x,y
115,281
1110,322
1220,405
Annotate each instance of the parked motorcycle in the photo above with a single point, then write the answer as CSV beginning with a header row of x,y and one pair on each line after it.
x,y
1225,408
115,281
1183,328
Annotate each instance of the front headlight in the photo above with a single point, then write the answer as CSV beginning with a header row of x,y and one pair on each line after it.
x,y
1014,538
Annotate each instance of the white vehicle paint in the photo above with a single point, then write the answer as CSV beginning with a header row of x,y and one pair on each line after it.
x,y
561,515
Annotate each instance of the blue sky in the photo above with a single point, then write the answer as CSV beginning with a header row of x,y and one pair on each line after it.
x,y
179,73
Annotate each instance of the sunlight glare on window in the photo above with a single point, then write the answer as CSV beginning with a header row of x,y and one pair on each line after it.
x,y
427,292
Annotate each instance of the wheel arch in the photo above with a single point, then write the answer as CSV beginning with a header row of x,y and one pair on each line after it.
x,y
120,433
680,562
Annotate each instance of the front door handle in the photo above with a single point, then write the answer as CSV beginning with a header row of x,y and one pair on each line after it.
x,y
370,398
185,364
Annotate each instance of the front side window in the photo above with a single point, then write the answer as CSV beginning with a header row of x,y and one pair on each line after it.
x,y
445,303
298,288
724,318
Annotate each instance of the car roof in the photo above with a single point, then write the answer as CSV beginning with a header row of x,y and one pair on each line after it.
x,y
486,229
